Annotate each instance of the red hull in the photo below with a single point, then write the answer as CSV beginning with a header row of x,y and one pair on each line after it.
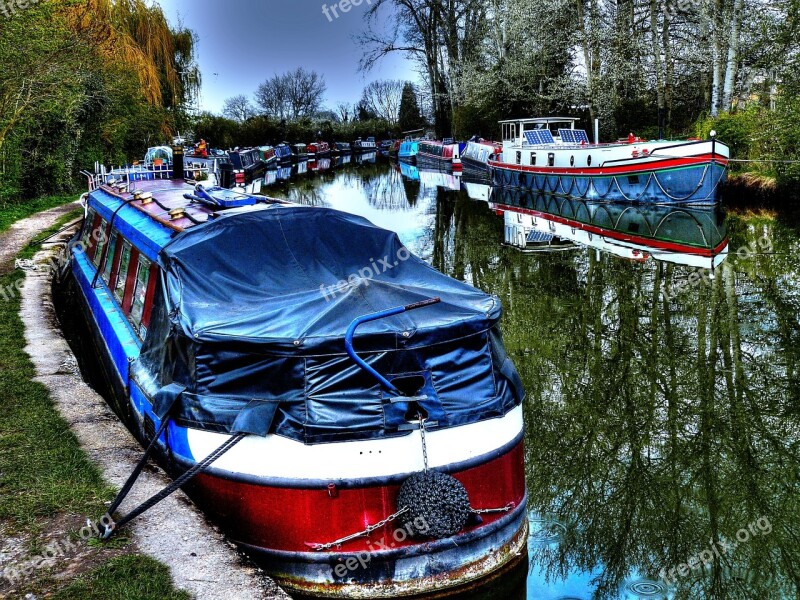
x,y
287,519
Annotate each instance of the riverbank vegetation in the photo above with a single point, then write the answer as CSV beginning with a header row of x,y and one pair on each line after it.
x,y
85,81
49,487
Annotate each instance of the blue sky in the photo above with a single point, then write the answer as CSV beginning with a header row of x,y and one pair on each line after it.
x,y
244,42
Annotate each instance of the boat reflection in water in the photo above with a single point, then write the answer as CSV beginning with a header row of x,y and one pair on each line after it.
x,y
408,170
476,187
366,158
434,178
320,164
695,237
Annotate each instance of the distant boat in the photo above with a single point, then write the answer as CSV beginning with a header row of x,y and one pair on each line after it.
x,y
245,167
341,148
300,152
318,149
367,145
408,151
385,147
476,155
284,153
268,155
566,163
445,154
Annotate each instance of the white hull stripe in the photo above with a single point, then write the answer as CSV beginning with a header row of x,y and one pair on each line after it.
x,y
275,457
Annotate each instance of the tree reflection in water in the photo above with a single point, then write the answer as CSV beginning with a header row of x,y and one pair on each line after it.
x,y
655,426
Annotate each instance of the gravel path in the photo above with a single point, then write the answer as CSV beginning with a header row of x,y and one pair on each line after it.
x,y
201,560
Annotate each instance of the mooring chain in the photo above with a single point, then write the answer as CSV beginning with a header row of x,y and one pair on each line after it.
x,y
367,531
486,511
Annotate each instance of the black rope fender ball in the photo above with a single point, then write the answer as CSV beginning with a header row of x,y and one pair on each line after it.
x,y
438,504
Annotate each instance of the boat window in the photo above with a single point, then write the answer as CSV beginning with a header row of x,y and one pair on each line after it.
x,y
111,255
572,161
519,157
101,242
88,227
533,159
140,294
122,273
589,160
551,159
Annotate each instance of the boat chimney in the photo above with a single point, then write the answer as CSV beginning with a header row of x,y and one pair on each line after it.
x,y
597,131
178,171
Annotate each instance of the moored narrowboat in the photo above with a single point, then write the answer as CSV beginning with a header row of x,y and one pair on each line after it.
x,y
341,148
549,155
476,155
284,153
243,168
439,155
355,420
408,151
318,149
269,156
299,153
367,145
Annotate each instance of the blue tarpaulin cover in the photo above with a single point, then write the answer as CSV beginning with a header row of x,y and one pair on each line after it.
x,y
248,331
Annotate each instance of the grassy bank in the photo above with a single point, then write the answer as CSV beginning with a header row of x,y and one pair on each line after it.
x,y
11,213
48,487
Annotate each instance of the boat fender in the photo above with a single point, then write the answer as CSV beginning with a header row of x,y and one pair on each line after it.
x,y
437,504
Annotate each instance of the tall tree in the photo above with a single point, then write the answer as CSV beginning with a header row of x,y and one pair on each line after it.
x,y
409,116
383,97
295,94
239,108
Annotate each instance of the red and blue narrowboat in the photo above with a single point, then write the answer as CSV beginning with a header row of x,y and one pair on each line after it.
x,y
349,413
439,155
549,155
318,149
269,156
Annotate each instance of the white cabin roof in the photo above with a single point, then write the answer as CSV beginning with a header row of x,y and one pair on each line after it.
x,y
543,120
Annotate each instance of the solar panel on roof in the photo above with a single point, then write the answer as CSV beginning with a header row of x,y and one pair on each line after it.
x,y
547,136
567,135
532,138
539,137
580,136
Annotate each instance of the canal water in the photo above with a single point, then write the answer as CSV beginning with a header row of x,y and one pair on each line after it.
x,y
662,410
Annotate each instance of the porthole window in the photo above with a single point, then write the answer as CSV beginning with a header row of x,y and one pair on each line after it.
x,y
572,161
551,159
589,160
533,159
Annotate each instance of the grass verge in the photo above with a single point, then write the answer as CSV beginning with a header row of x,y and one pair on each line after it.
x,y
48,486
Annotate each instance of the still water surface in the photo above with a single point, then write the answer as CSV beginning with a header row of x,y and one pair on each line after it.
x,y
662,410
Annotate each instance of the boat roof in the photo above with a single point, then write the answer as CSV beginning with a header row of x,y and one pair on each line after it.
x,y
543,120
151,222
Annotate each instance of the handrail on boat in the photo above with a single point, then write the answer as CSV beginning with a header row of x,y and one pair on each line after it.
x,y
389,312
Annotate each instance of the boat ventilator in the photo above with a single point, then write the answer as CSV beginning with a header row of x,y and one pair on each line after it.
x,y
436,504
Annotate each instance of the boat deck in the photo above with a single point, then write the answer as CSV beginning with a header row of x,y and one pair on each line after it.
x,y
169,205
